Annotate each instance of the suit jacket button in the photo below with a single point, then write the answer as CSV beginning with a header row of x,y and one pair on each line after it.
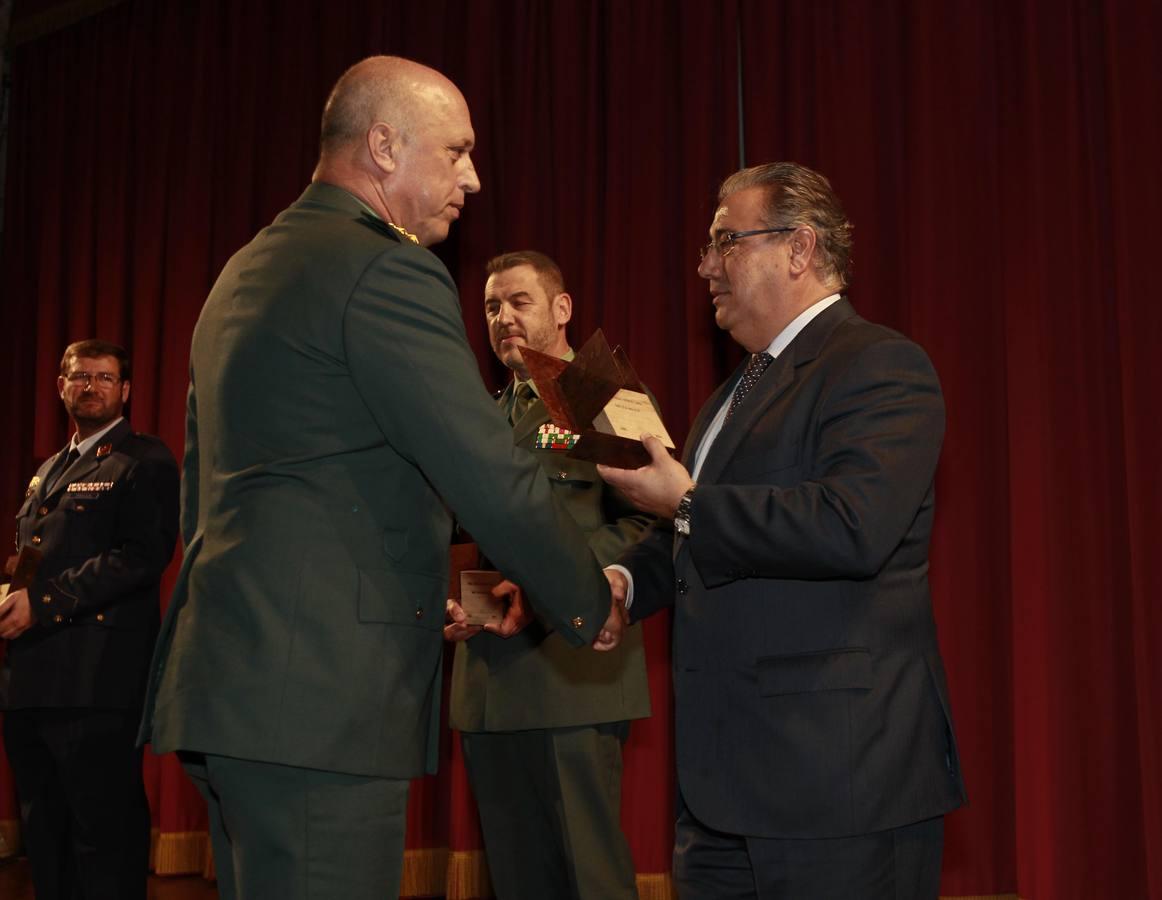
x,y
419,612
578,622
58,618
682,585
36,539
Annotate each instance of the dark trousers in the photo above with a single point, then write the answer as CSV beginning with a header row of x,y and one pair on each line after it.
x,y
285,833
83,809
550,809
898,864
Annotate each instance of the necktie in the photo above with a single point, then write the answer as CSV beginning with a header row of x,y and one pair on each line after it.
x,y
58,471
521,401
754,369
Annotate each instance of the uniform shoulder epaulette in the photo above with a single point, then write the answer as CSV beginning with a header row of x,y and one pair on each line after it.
x,y
145,445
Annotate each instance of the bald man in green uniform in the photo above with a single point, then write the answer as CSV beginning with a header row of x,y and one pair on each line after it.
x,y
542,726
336,420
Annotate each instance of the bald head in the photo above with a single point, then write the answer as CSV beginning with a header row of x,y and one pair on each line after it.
x,y
380,89
398,135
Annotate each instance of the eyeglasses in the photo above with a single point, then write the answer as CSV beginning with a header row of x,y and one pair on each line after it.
x,y
104,379
724,244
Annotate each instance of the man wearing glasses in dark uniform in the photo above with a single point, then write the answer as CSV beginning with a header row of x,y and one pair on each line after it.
x,y
103,513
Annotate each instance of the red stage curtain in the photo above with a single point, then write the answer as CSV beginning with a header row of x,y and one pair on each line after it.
x,y
999,162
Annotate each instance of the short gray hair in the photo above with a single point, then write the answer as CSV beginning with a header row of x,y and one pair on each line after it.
x,y
796,195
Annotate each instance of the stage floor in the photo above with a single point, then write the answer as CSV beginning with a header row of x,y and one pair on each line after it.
x,y
16,885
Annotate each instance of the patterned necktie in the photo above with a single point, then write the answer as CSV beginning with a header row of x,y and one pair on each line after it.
x,y
754,369
521,401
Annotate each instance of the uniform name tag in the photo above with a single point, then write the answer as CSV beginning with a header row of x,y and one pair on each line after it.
x,y
89,487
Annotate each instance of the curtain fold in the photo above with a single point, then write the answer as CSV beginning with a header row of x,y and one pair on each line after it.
x,y
999,161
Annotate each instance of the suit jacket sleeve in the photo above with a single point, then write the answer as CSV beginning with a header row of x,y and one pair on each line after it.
x,y
867,463
411,363
651,563
138,550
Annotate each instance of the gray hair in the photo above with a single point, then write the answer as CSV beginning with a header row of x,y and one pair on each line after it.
x,y
796,195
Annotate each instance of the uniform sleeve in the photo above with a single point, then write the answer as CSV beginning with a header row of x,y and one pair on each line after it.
x,y
624,523
190,461
410,360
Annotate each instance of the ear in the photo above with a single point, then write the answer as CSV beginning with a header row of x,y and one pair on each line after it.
x,y
60,386
562,309
124,392
383,142
802,247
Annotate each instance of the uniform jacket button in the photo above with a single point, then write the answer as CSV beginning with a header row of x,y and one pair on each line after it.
x,y
42,511
578,622
47,598
419,613
58,618
100,617
36,539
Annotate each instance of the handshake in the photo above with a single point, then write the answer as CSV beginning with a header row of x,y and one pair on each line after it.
x,y
516,614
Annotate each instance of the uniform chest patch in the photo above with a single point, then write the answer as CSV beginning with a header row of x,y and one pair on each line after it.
x,y
554,437
89,487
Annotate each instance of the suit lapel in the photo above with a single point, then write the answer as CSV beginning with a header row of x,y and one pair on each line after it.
x,y
46,474
770,386
775,381
706,416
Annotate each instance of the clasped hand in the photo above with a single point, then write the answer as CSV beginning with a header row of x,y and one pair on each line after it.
x,y
518,615
15,615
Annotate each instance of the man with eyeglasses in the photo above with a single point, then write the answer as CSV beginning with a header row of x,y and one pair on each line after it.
x,y
336,421
815,750
103,515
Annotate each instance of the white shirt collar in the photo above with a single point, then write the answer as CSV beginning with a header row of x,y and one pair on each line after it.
x,y
797,324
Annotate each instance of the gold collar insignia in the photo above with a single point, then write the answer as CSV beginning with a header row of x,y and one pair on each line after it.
x,y
405,233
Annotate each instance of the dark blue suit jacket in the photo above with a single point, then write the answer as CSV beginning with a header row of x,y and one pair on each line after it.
x,y
810,696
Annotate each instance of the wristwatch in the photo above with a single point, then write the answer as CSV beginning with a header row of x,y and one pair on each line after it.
x,y
682,514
